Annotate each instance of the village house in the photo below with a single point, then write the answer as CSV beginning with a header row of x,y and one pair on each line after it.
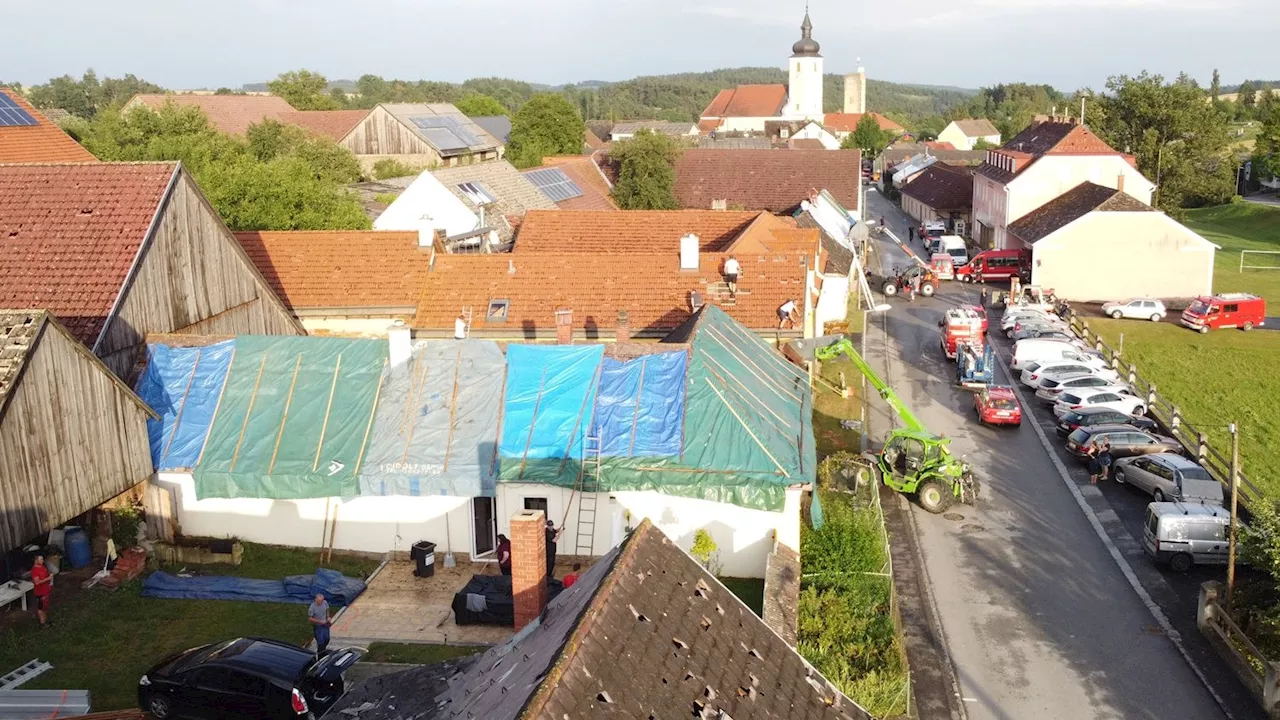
x,y
496,192
420,135
231,114
773,180
440,216
965,134
896,154
941,193
116,251
330,124
845,123
573,182
627,129
28,136
1037,165
802,135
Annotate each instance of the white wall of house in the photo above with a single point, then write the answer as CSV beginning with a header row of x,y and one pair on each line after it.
x,y
425,206
744,124
351,325
954,135
1116,255
814,131
833,302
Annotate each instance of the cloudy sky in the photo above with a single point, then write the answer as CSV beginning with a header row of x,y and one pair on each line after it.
x,y
968,43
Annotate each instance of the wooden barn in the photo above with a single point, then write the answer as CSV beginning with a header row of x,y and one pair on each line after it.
x,y
421,135
72,434
117,251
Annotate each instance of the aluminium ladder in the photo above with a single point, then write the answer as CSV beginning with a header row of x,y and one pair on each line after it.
x,y
23,674
588,494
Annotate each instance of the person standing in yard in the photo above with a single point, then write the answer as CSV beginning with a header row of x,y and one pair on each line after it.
x,y
318,616
43,583
504,554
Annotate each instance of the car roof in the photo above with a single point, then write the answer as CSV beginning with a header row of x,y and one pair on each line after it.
x,y
1109,428
1088,392
1087,411
266,657
1162,509
1176,461
1001,391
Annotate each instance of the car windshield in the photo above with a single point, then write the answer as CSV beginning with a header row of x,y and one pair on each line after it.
x,y
1079,436
1070,399
1196,473
1003,403
1201,490
1199,308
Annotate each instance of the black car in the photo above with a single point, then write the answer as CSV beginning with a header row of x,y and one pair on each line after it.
x,y
1084,417
245,679
1126,441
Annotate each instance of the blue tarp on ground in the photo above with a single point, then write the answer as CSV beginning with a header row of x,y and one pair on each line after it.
x,y
183,384
640,405
549,397
338,589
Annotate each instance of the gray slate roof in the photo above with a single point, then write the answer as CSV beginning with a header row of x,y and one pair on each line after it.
x,y
707,142
498,126
405,112
1071,206
660,127
515,194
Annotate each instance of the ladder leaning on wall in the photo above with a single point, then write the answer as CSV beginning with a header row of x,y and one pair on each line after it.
x,y
588,493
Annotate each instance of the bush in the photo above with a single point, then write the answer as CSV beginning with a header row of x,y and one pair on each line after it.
x,y
124,527
388,168
706,552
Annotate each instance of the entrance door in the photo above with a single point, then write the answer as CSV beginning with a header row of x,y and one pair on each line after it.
x,y
484,525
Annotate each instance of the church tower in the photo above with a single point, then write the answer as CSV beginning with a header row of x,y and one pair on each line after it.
x,y
855,91
804,94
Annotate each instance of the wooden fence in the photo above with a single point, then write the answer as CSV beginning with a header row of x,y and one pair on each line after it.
x,y
1259,675
1168,415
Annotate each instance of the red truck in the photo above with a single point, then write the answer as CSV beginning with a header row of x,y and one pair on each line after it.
x,y
997,265
1229,310
961,324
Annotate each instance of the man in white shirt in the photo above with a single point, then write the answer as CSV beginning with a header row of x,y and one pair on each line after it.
x,y
731,271
786,314
460,327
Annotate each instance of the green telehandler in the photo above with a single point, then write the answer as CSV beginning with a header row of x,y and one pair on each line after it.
x,y
913,460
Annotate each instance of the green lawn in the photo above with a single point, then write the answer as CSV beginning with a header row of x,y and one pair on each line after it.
x,y
1242,226
103,640
749,591
418,654
829,408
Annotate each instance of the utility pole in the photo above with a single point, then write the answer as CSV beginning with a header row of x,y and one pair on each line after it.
x,y
1235,491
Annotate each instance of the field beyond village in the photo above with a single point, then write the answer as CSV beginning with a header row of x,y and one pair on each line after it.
x,y
1225,376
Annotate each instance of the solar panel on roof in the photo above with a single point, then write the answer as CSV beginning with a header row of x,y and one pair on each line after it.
x,y
427,123
12,114
554,184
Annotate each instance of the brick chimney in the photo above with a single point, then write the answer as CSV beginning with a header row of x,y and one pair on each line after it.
x,y
624,326
564,326
1120,182
528,565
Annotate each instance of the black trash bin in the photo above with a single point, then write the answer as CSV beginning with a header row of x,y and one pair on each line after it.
x,y
424,556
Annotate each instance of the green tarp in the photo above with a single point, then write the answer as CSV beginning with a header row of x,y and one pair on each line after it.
x,y
293,419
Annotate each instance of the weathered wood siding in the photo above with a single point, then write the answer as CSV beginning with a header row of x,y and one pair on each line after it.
x,y
381,134
70,440
193,274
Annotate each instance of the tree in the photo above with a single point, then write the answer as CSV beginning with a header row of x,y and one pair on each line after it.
x,y
867,137
1180,141
546,125
304,90
928,128
1246,99
1215,86
271,139
984,144
646,171
1266,149
477,105
88,96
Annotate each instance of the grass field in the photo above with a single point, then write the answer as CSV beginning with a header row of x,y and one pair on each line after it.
x,y
1236,227
418,654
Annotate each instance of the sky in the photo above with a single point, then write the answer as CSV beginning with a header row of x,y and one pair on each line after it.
x,y
186,44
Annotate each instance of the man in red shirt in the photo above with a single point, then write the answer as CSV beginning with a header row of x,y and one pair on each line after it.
x,y
43,582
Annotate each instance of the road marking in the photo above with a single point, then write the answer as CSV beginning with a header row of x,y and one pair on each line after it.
x,y
1125,568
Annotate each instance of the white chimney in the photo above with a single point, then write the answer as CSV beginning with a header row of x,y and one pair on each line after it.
x,y
689,252
400,344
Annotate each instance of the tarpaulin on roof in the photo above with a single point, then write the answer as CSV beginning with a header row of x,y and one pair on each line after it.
x,y
294,418
338,589
547,411
640,405
183,384
435,431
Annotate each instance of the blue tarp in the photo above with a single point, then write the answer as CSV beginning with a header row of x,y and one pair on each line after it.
x,y
549,398
640,405
183,384
338,589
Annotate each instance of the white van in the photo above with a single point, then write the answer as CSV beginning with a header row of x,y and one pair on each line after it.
x,y
954,246
1186,534
1044,350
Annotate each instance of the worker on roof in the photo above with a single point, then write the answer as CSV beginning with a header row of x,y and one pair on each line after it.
x,y
786,314
731,271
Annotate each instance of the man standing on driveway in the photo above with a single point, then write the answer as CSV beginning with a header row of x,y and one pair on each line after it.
x,y
1104,460
43,583
318,616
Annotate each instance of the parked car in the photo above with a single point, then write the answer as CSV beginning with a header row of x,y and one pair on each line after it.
x,y
997,405
1111,398
1048,322
1041,331
1051,388
994,265
1035,371
1102,416
1186,534
1169,477
1230,310
245,679
1136,309
1013,317
1046,349
1125,440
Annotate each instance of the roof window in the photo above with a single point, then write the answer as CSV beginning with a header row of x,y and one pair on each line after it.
x,y
497,310
477,193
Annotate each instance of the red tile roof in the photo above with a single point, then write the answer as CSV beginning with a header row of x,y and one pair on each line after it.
x,y
334,124
1045,138
935,145
848,122
43,142
707,126
748,101
583,171
593,141
631,231
232,114
340,268
773,180
69,235
651,288
942,187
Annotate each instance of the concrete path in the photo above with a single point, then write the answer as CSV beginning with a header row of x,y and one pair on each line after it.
x,y
1039,620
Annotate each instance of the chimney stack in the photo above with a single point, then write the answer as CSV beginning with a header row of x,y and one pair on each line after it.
x,y
689,252
400,342
528,565
1120,182
624,326
564,326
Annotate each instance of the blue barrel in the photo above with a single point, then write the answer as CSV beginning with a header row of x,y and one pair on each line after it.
x,y
77,544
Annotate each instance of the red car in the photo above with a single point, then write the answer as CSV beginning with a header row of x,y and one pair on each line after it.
x,y
997,405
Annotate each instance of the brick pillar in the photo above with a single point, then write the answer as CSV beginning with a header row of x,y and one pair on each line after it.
x,y
624,326
564,326
528,565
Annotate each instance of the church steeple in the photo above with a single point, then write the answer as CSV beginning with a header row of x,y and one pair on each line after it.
x,y
806,45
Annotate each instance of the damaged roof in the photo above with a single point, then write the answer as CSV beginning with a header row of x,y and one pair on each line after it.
x,y
646,632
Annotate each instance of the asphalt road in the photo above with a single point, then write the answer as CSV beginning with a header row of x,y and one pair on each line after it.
x,y
1039,619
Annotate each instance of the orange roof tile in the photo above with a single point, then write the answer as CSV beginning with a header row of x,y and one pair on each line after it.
x,y
69,235
748,101
593,141
597,193
1054,137
651,288
632,231
340,268
334,124
232,114
42,142
848,122
773,180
